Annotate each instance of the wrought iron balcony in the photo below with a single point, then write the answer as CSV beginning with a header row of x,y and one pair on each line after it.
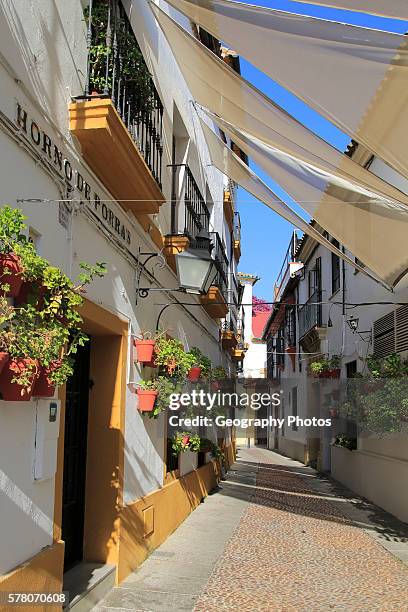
x,y
117,70
310,315
189,213
221,262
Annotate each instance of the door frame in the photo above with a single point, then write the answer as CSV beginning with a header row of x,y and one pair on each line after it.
x,y
106,424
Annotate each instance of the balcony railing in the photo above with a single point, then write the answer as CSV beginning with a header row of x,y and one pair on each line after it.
x,y
189,211
221,262
237,226
284,272
117,70
310,315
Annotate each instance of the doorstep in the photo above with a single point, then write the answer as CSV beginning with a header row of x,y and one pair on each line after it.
x,y
88,583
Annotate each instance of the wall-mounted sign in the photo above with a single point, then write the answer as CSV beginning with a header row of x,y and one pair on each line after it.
x,y
77,187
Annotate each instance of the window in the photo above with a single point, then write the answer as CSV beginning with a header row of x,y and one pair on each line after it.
x,y
360,263
294,407
351,369
335,269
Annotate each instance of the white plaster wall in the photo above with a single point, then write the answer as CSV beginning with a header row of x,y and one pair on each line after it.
x,y
43,64
26,506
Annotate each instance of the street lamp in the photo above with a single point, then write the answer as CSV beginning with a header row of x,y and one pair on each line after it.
x,y
196,269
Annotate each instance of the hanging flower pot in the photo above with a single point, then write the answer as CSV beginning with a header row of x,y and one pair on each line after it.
x,y
334,373
10,273
42,386
147,399
194,374
12,391
185,440
144,350
4,357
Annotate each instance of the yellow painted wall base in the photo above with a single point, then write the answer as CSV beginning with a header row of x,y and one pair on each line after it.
x,y
40,574
146,524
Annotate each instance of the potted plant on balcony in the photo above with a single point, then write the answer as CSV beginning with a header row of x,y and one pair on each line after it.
x,y
326,368
201,365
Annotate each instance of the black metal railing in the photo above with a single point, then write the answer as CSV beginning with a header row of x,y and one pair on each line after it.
x,y
116,69
190,213
196,213
237,226
310,314
221,262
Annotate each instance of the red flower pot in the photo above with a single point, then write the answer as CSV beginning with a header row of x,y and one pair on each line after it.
x,y
334,373
215,385
147,398
194,374
185,440
4,357
11,262
42,386
13,392
144,350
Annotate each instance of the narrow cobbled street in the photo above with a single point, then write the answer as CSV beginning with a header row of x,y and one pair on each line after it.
x,y
275,536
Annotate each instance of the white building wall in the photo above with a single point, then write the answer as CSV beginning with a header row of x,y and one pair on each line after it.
x,y
42,65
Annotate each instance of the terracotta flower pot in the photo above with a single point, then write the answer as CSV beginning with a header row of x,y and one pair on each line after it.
x,y
147,399
42,386
144,350
185,440
13,278
4,357
194,374
13,392
334,373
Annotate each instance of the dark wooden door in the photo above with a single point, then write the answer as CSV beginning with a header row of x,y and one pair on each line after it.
x,y
75,445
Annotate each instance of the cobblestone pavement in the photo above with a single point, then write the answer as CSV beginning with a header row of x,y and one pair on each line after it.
x,y
296,549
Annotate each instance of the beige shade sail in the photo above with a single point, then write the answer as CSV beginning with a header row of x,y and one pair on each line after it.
x,y
232,166
396,9
374,229
355,77
215,86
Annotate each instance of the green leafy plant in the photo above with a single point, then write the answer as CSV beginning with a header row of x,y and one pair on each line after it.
x,y
133,69
201,361
170,354
184,441
42,329
346,442
325,365
378,399
218,372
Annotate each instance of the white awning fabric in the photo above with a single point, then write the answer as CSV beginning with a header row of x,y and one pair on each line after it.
x,y
356,77
359,219
215,86
395,9
232,166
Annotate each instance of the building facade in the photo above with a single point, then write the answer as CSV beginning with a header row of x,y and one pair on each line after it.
x,y
106,170
328,309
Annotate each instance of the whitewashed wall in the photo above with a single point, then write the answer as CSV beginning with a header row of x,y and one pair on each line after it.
x,y
42,65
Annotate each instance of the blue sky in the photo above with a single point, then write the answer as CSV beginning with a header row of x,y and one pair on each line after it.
x,y
265,236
